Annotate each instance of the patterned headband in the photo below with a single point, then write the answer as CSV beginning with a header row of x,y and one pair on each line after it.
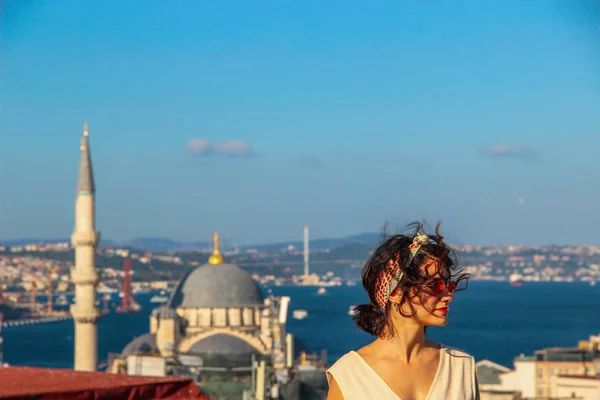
x,y
391,275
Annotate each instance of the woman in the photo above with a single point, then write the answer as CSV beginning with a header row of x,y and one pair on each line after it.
x,y
410,281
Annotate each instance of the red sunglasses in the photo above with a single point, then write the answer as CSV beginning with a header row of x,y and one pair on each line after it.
x,y
436,288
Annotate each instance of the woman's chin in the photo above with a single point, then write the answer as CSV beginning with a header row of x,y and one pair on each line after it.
x,y
436,320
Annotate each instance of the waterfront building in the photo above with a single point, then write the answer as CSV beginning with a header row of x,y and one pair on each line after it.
x,y
593,343
551,373
576,387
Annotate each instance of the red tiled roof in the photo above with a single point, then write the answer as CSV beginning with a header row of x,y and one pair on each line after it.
x,y
18,383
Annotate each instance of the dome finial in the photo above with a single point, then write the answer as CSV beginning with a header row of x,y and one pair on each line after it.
x,y
216,255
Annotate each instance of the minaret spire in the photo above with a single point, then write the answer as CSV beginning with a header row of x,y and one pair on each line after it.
x,y
84,275
85,183
216,257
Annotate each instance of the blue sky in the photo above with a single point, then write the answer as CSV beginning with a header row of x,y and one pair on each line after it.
x,y
256,118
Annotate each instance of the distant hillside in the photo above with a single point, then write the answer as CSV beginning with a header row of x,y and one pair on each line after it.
x,y
151,243
160,244
20,242
367,239
164,244
352,251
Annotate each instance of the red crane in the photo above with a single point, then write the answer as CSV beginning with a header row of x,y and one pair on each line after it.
x,y
128,303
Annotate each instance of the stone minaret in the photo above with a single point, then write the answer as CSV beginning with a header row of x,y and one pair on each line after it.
x,y
84,276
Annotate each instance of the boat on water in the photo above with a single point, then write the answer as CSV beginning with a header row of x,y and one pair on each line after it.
x,y
515,280
62,300
322,290
102,289
159,299
300,314
351,310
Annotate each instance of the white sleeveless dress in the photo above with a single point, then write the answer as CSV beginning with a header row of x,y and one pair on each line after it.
x,y
454,380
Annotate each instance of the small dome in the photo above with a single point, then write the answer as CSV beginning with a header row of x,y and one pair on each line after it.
x,y
144,344
222,350
216,285
222,343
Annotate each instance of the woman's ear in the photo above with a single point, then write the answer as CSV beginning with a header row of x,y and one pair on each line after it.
x,y
396,296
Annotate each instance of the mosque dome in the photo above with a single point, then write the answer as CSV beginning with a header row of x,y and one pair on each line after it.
x,y
215,285
223,350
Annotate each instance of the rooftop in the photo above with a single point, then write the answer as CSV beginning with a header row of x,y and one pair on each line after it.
x,y
564,354
587,377
28,382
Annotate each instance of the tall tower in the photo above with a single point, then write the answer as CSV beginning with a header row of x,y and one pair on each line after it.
x,y
306,251
84,276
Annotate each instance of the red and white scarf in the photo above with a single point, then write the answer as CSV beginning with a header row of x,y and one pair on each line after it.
x,y
391,275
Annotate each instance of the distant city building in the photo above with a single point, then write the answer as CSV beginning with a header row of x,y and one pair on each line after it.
x,y
552,373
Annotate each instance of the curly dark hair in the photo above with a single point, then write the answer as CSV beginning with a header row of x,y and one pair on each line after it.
x,y
370,317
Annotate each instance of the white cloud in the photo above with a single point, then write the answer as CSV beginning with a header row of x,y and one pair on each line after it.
x,y
229,148
233,148
199,147
510,151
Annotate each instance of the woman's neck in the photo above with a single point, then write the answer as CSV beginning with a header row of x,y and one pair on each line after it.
x,y
406,342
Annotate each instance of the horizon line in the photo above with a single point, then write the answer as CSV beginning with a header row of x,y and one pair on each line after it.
x,y
25,241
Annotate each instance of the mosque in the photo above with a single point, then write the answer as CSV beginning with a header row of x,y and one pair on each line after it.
x,y
216,324
218,327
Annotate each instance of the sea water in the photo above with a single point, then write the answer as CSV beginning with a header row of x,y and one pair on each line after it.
x,y
490,320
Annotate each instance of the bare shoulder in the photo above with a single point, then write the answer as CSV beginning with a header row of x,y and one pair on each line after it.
x,y
366,350
334,392
457,353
